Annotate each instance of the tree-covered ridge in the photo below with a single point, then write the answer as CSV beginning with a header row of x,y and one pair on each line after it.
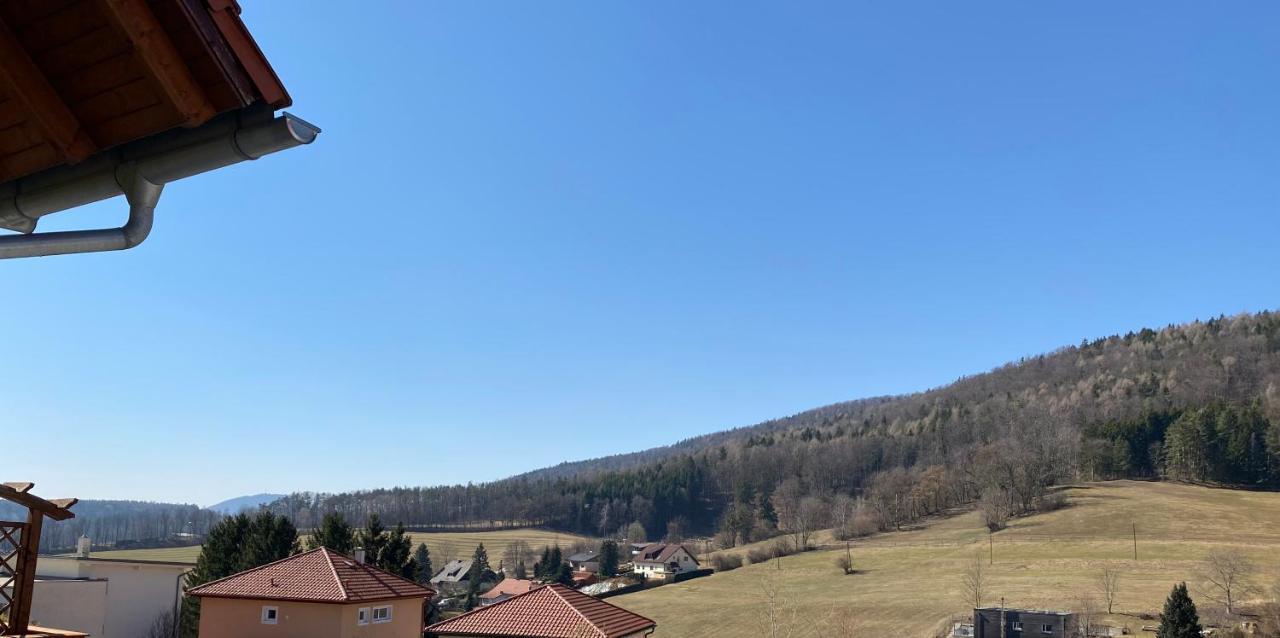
x,y
1102,408
119,522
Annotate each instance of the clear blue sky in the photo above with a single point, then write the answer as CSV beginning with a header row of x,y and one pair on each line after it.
x,y
534,232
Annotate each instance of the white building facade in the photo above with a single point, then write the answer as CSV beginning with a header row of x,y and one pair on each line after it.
x,y
105,598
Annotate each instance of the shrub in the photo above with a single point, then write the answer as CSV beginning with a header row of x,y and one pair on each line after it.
x,y
845,564
759,555
865,523
1052,501
726,562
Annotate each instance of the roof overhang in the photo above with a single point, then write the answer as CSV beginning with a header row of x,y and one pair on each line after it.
x,y
93,90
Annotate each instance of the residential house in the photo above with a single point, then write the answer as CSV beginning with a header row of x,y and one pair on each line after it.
x,y
105,597
586,561
1022,623
547,611
455,578
505,589
663,560
316,594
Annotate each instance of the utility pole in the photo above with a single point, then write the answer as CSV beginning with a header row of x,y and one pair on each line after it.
x,y
1002,622
1135,541
848,556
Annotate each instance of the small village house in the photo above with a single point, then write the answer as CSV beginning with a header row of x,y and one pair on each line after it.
x,y
547,611
316,594
105,597
1002,622
663,560
587,561
455,577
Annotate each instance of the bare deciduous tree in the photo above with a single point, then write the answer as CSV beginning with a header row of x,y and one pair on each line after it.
x,y
164,626
840,622
1227,572
843,509
777,617
975,580
1084,611
811,516
1108,585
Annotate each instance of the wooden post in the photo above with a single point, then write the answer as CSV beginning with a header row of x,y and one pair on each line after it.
x,y
1135,541
25,580
991,549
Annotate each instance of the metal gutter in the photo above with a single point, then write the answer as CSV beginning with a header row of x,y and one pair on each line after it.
x,y
138,171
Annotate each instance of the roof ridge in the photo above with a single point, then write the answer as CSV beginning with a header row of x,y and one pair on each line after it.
x,y
374,568
333,569
556,587
253,569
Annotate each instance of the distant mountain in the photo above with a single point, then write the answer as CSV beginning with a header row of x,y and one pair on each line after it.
x,y
239,504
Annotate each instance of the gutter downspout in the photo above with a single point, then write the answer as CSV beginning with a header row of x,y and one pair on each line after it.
x,y
177,601
138,171
142,196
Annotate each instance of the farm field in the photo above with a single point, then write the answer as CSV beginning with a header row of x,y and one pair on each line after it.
x,y
443,545
910,582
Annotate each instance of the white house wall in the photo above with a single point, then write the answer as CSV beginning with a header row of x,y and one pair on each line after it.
x,y
137,592
74,605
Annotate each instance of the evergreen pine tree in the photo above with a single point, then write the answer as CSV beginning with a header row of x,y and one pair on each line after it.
x,y
422,560
564,575
1179,618
372,538
334,532
552,567
520,570
234,544
394,554
609,558
480,560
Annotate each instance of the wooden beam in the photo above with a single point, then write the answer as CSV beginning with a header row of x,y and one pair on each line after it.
x,y
21,486
41,104
161,59
32,502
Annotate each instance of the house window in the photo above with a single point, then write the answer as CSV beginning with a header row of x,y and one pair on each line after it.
x,y
381,614
1046,629
362,616
270,615
1017,625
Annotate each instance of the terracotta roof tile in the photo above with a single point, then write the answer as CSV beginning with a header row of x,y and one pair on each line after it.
x,y
321,575
661,553
549,611
510,587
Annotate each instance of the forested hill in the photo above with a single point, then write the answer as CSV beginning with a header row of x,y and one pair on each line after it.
x,y
1187,401
1112,378
117,523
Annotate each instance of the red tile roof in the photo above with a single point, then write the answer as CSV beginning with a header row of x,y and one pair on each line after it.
x,y
661,553
510,587
550,611
318,576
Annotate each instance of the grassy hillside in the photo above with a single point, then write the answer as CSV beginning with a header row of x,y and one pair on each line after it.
x,y
443,545
910,582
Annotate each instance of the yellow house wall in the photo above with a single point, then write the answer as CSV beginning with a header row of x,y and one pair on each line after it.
x,y
234,618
